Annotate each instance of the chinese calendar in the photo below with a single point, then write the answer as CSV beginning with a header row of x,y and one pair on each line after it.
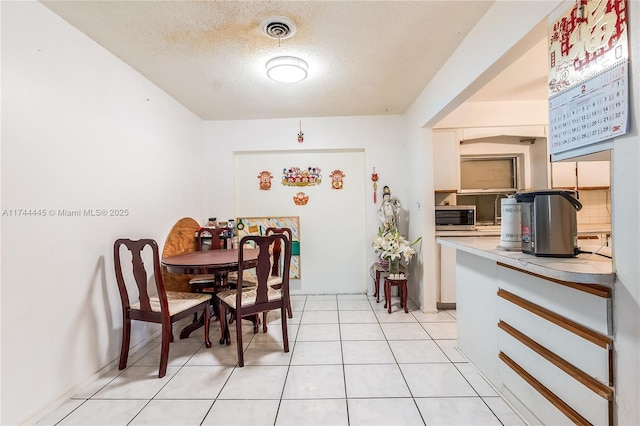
x,y
591,112
588,74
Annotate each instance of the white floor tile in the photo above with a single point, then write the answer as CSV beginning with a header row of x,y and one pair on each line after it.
x,y
318,332
314,382
196,382
312,412
358,317
375,381
319,317
435,380
456,411
381,411
105,412
395,316
255,382
367,352
503,411
350,363
354,305
60,412
476,380
361,332
417,351
404,331
310,353
136,383
234,412
173,412
321,305
441,330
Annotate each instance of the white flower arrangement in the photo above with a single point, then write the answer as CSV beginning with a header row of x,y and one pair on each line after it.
x,y
390,245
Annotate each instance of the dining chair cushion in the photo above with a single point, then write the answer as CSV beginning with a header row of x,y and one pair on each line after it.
x,y
178,301
248,296
203,279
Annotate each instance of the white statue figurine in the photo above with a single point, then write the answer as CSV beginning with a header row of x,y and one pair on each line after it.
x,y
388,211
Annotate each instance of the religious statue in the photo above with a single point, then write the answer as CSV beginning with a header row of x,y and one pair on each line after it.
x,y
388,211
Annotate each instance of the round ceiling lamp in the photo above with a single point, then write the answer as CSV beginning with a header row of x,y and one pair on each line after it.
x,y
287,69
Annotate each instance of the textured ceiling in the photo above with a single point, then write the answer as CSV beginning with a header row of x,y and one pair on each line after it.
x,y
365,57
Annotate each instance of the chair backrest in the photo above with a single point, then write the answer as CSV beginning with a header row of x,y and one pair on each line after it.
x,y
181,239
263,267
140,275
213,233
276,247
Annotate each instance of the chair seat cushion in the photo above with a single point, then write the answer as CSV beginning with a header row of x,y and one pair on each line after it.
x,y
248,296
203,279
249,277
178,301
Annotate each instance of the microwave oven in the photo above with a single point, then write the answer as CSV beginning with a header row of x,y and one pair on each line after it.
x,y
455,218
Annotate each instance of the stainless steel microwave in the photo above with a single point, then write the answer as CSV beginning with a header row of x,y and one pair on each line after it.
x,y
455,218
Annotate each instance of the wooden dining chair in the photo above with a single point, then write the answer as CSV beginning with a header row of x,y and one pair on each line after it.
x,y
246,301
275,272
165,308
206,283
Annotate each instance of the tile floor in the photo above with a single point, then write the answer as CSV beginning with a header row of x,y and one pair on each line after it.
x,y
350,363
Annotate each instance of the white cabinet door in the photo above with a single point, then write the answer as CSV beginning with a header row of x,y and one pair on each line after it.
x,y
447,274
563,174
445,161
594,174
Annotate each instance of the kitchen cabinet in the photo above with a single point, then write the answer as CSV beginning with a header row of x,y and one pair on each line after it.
x,y
593,174
563,175
581,175
541,334
447,294
445,161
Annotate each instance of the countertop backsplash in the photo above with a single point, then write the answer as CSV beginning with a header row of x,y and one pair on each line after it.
x,y
596,206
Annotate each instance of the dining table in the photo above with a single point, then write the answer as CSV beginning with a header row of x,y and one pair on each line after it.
x,y
216,262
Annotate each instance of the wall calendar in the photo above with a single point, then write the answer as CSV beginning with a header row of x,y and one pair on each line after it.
x,y
588,75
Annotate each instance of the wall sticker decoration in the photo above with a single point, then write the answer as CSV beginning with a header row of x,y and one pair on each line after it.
x,y
265,180
336,179
296,176
301,199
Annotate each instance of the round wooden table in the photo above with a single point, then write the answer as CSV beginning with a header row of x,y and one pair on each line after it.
x,y
217,262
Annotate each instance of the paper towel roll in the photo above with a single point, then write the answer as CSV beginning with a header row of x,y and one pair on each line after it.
x,y
510,228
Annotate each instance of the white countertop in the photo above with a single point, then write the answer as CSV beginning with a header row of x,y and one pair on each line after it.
x,y
494,230
584,268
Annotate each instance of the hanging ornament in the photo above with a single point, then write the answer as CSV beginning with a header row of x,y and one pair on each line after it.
x,y
300,134
374,178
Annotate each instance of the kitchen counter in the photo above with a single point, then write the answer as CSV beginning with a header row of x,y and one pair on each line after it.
x,y
584,268
494,230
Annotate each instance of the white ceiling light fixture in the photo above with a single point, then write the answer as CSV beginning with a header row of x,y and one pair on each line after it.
x,y
287,69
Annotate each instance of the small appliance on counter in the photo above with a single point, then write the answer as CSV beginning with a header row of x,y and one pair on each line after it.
x,y
455,218
510,225
549,222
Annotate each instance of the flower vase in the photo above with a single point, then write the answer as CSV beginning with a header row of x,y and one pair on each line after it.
x,y
394,266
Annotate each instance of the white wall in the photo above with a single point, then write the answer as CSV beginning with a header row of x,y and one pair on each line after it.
x,y
80,130
331,233
381,137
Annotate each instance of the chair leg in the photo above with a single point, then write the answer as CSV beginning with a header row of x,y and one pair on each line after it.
x,y
207,320
164,349
239,339
264,321
126,339
224,325
285,330
289,308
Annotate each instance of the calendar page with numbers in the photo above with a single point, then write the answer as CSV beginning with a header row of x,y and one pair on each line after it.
x,y
591,112
588,75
